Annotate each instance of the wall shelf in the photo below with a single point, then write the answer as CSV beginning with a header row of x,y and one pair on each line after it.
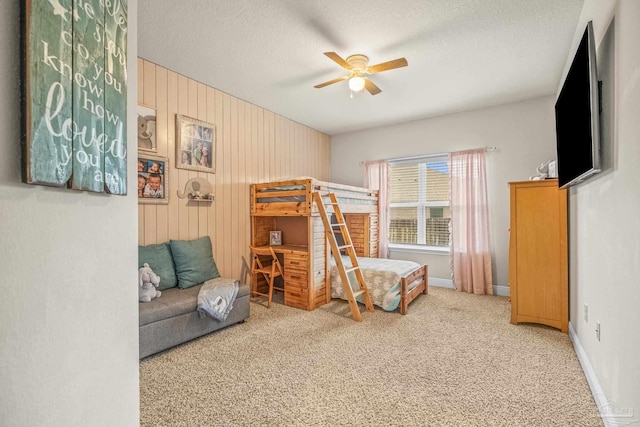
x,y
200,199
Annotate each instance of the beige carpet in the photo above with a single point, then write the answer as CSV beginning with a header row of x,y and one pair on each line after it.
x,y
453,360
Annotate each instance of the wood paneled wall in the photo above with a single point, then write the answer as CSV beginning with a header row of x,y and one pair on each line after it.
x,y
252,145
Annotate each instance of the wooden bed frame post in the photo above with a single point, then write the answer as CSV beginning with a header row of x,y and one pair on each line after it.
x,y
407,296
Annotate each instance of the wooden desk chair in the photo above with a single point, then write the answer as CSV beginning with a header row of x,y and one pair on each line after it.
x,y
265,262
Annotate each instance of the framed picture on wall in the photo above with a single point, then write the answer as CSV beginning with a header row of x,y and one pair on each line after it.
x,y
195,144
153,182
147,134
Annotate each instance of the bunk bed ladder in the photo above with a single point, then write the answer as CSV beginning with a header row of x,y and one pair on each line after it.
x,y
329,228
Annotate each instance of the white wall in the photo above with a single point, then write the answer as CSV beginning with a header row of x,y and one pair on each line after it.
x,y
68,273
523,132
605,213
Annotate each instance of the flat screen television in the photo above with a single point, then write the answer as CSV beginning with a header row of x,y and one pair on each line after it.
x,y
578,116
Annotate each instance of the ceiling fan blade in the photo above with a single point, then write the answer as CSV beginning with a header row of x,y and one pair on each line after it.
x,y
338,59
385,66
371,87
330,82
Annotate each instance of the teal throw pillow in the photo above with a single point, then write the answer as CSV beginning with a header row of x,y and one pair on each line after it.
x,y
159,259
194,261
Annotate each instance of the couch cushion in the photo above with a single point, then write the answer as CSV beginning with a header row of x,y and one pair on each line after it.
x,y
194,261
159,259
175,302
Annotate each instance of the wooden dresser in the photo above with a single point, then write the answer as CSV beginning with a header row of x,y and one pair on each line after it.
x,y
538,255
363,230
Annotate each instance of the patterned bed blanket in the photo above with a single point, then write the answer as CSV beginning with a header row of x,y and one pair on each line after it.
x,y
382,277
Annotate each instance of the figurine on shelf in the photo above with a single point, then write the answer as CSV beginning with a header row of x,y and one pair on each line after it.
x,y
543,172
197,189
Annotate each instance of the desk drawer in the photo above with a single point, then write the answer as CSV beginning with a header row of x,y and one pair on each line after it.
x,y
296,299
296,278
297,261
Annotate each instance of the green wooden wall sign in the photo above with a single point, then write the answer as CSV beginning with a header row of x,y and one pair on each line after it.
x,y
75,94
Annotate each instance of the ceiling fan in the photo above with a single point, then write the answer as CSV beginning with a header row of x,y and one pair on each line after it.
x,y
357,67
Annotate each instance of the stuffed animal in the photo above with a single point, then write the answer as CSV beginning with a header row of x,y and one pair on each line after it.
x,y
148,281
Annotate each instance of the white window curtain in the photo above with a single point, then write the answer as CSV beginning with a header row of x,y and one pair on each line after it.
x,y
376,177
470,245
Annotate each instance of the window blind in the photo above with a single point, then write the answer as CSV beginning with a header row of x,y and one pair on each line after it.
x,y
419,201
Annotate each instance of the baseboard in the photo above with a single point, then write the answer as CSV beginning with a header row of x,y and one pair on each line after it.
x,y
610,413
502,291
441,283
592,379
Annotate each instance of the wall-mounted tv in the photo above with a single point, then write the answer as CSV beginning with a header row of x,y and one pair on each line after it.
x,y
578,116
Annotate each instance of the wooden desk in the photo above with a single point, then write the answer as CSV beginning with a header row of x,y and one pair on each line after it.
x,y
296,274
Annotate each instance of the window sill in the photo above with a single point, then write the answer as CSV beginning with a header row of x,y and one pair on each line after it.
x,y
436,250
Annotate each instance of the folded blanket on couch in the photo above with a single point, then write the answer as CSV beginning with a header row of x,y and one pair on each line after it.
x,y
216,297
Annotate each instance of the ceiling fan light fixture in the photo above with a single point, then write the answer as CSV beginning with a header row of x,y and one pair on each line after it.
x,y
356,83
357,66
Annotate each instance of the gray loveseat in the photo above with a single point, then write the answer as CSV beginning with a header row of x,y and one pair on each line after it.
x,y
172,318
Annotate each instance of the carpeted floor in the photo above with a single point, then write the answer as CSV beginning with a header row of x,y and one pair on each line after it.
x,y
453,360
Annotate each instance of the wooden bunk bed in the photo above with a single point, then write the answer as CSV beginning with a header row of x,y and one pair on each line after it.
x,y
288,206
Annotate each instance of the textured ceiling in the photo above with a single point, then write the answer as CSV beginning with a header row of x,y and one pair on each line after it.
x,y
462,54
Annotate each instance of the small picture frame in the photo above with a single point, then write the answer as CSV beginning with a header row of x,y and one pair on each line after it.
x,y
275,238
153,182
195,144
147,133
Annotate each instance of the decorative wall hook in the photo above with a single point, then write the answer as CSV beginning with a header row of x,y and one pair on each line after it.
x,y
197,189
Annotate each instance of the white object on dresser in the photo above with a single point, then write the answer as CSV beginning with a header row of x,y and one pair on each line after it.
x,y
553,172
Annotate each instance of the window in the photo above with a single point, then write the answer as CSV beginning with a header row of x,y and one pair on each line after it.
x,y
419,202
